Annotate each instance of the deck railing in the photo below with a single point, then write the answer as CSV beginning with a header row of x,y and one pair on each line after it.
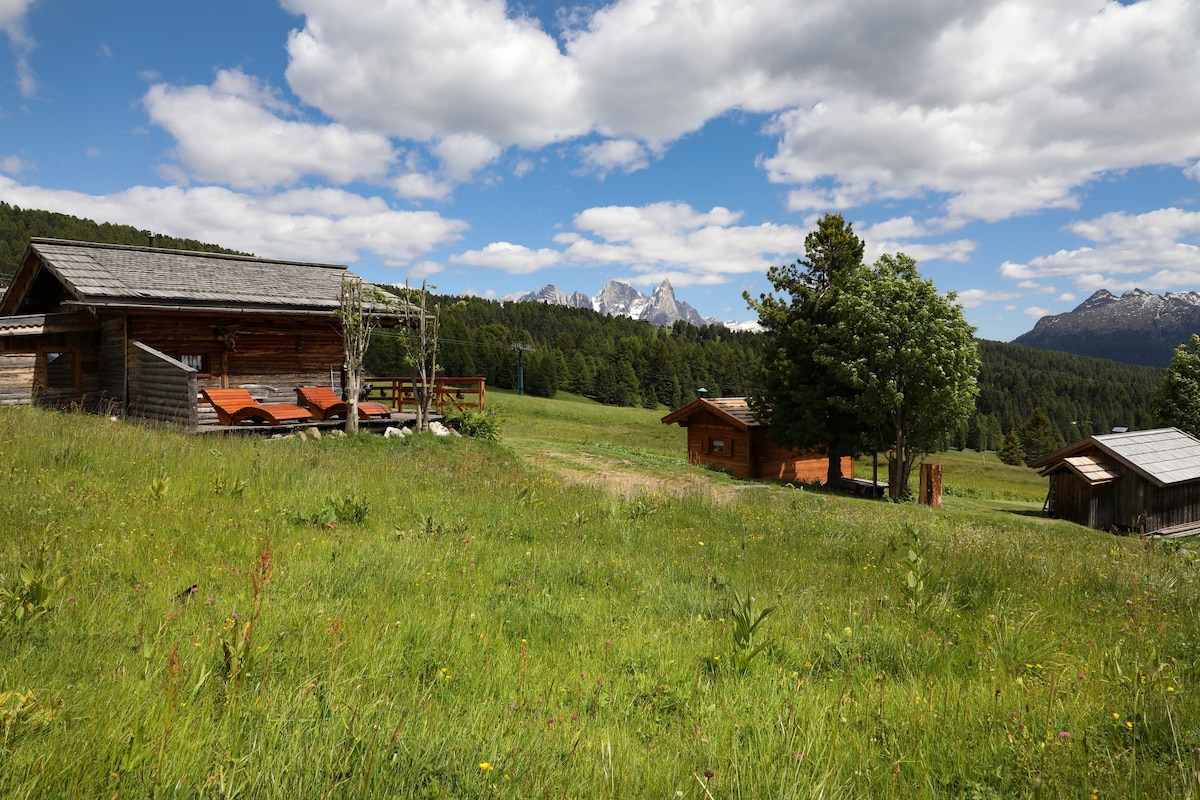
x,y
448,393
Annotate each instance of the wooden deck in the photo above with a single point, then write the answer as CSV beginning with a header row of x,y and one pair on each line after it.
x,y
1177,531
378,424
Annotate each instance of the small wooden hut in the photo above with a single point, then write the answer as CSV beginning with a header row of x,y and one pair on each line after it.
x,y
724,433
142,329
1139,481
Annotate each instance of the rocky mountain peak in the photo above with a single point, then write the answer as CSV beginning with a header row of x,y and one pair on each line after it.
x,y
661,308
1138,327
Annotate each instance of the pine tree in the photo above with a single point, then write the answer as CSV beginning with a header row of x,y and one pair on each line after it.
x,y
1012,451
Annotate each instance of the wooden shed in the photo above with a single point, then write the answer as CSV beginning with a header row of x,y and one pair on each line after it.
x,y
1141,481
143,329
723,432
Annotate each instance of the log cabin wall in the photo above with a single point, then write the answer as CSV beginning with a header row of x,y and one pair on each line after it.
x,y
161,389
16,378
273,354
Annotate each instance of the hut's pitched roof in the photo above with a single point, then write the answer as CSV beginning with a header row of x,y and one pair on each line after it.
x,y
1163,456
119,276
734,410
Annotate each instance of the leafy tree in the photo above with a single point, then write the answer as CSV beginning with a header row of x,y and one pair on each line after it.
x,y
803,398
910,357
1012,452
1177,400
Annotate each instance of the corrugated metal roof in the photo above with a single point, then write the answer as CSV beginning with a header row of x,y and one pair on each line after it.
x,y
112,274
1165,455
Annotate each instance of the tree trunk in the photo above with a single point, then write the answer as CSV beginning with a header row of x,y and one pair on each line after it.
x,y
898,468
833,474
353,387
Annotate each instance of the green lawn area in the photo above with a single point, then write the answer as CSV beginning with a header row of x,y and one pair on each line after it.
x,y
445,618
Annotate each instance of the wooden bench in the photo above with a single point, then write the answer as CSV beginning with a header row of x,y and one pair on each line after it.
x,y
234,406
325,404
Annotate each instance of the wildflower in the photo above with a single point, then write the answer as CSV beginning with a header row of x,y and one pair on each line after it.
x,y
799,756
485,766
1116,715
1064,735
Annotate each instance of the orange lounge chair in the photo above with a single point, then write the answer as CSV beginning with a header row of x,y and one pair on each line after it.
x,y
325,404
236,405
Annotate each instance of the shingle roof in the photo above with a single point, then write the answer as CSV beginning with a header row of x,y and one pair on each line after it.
x,y
98,274
1164,455
736,409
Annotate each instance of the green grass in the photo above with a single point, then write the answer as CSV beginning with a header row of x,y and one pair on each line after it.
x,y
439,618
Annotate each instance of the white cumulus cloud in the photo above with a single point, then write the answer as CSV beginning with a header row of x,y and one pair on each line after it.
x,y
232,133
328,225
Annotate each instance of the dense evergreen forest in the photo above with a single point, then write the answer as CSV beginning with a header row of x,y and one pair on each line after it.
x,y
18,225
616,360
1046,397
622,362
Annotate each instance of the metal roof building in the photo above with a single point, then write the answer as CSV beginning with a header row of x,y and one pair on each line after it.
x,y
1143,481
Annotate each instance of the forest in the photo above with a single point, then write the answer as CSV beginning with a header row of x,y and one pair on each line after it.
x,y
1048,398
619,361
18,225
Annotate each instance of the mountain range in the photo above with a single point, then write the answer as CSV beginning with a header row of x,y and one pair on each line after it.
x,y
1137,327
661,308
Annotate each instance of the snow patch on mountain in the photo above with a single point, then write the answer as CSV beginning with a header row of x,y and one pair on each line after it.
x,y
660,308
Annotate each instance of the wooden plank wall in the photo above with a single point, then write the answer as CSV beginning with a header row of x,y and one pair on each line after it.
x,y
736,457
112,358
788,464
160,388
16,378
279,353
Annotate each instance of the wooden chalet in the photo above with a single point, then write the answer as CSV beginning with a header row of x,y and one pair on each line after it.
x,y
1139,481
724,433
141,330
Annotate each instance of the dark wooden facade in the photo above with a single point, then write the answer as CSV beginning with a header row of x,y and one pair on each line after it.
x,y
723,433
1105,483
61,345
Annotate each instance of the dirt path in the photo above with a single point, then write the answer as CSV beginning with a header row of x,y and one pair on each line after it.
x,y
626,479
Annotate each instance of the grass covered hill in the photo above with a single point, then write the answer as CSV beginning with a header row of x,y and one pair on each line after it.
x,y
564,614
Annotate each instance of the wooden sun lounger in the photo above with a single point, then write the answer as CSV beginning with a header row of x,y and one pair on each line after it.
x,y
325,404
236,405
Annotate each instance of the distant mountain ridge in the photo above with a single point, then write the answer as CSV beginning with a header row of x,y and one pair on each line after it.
x,y
1137,327
661,308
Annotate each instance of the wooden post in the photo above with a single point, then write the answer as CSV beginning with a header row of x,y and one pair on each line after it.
x,y
931,485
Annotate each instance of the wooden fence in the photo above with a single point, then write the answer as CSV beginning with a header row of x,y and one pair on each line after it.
x,y
161,389
448,393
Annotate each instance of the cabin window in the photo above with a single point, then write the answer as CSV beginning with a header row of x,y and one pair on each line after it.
x,y
60,371
197,361
719,446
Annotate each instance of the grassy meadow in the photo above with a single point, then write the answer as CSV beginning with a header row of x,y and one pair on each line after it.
x,y
443,618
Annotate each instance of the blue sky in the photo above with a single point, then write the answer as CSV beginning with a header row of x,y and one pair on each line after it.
x,y
1025,152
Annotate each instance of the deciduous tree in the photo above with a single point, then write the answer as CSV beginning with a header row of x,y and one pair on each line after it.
x,y
909,356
